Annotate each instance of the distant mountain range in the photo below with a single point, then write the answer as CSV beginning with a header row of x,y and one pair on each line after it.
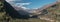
x,y
36,10
39,11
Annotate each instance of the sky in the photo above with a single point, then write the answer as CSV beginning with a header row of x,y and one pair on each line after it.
x,y
30,4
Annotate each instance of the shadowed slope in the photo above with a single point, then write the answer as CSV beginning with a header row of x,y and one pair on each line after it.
x,y
14,13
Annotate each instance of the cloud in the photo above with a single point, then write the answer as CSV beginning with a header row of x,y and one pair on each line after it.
x,y
10,0
24,8
35,8
18,0
25,3
18,4
21,4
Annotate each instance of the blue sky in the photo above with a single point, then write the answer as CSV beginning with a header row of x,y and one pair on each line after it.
x,y
33,4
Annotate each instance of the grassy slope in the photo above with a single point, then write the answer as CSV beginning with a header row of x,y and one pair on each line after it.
x,y
56,12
